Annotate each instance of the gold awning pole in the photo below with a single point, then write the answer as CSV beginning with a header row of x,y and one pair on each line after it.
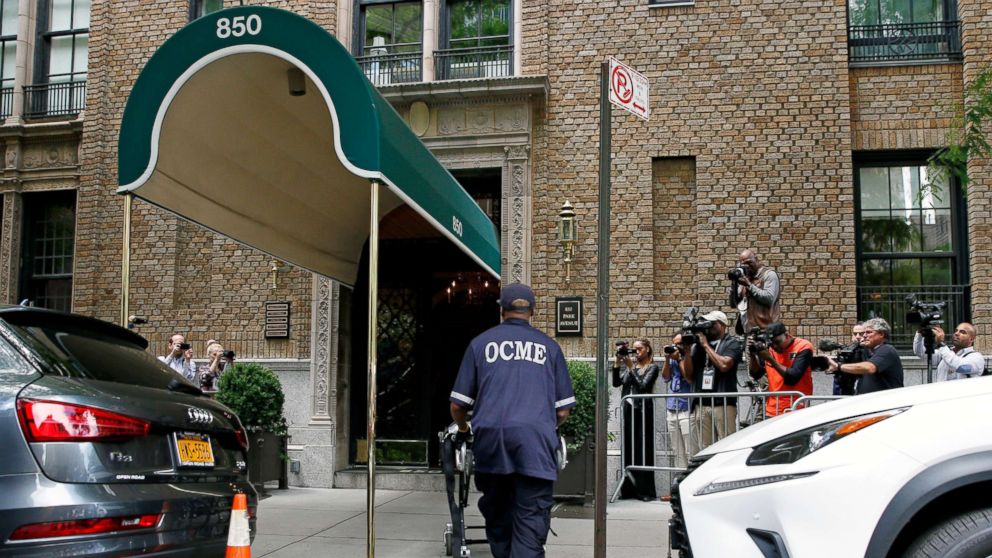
x,y
126,259
373,319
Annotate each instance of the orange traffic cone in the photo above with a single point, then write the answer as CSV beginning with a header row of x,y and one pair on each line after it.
x,y
238,539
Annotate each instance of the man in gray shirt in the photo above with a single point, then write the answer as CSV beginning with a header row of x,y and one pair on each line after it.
x,y
755,294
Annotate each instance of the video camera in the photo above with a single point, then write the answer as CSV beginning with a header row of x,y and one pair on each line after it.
x,y
758,340
926,314
851,352
692,324
623,350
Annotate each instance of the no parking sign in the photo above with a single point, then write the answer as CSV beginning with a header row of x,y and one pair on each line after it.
x,y
629,89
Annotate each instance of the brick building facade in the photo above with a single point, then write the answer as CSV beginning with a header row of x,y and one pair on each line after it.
x,y
768,124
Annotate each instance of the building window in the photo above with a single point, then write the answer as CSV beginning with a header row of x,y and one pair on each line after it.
x,y
909,243
8,47
62,66
200,8
477,40
903,31
48,247
391,50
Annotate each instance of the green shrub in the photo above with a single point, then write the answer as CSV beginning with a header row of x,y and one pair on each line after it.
x,y
582,422
254,393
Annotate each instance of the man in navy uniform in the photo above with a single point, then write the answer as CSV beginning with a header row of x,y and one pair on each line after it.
x,y
515,380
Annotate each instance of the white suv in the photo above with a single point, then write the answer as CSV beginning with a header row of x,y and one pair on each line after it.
x,y
904,472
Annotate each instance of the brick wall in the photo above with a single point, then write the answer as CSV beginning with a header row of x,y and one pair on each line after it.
x,y
976,21
183,278
761,103
904,107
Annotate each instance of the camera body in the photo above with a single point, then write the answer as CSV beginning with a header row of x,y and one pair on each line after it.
x,y
736,273
229,355
185,346
692,324
669,349
851,352
758,340
926,314
623,350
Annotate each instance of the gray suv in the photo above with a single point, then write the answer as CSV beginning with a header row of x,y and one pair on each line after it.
x,y
105,450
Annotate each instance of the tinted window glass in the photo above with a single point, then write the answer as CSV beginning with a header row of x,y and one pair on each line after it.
x,y
78,355
11,362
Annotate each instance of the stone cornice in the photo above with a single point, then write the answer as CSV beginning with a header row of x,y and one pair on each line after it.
x,y
467,89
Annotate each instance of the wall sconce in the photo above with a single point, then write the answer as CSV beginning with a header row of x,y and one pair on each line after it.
x,y
274,270
566,235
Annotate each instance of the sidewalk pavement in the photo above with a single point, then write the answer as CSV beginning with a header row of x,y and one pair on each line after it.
x,y
318,523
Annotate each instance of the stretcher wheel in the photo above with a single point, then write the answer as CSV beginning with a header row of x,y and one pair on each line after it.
x,y
447,540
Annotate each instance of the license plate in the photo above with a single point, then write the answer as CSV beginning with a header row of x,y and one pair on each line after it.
x,y
194,450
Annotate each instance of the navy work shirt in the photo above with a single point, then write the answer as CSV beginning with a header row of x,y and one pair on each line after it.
x,y
515,379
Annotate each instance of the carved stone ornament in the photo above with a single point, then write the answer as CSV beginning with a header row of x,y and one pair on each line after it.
x,y
450,121
320,362
47,156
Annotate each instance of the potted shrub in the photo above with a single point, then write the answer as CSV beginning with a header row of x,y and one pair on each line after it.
x,y
576,480
254,393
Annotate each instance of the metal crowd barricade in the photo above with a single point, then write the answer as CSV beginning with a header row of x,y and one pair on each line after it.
x,y
720,424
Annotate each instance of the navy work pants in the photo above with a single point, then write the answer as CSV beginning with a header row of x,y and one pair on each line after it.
x,y
517,510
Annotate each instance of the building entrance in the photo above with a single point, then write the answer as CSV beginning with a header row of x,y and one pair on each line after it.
x,y
433,299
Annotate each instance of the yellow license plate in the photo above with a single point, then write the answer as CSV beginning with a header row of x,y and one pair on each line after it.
x,y
194,450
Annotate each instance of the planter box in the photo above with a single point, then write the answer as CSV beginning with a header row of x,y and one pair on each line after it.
x,y
265,457
576,481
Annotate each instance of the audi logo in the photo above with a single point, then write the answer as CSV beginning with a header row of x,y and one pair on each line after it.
x,y
199,416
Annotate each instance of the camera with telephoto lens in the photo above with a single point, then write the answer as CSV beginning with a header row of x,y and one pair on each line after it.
x,y
926,314
669,349
758,340
693,324
736,273
846,354
623,350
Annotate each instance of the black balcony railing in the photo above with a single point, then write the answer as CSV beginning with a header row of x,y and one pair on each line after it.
x,y
54,99
931,41
6,101
890,303
480,62
384,69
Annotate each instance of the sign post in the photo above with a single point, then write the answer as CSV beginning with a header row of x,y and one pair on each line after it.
x,y
626,88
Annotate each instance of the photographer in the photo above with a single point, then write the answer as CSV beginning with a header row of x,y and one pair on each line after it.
x,y
960,360
785,360
678,407
637,376
883,369
846,384
217,361
180,358
755,292
712,367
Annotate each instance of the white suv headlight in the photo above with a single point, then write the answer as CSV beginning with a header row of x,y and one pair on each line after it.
x,y
795,446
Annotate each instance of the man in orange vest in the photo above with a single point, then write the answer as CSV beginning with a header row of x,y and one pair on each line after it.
x,y
786,361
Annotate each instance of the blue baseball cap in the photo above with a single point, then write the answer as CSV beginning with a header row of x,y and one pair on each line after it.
x,y
516,297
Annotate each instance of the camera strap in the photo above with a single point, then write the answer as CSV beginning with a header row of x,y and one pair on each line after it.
x,y
709,370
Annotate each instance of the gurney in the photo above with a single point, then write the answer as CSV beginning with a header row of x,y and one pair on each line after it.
x,y
457,463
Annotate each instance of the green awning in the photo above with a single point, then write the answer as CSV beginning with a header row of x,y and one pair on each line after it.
x,y
212,133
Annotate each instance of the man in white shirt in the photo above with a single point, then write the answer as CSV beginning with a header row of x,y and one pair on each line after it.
x,y
959,360
177,358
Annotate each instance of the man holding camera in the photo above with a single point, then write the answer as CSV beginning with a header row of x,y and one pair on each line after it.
x,y
516,380
883,370
785,360
678,407
178,358
755,292
960,360
712,367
